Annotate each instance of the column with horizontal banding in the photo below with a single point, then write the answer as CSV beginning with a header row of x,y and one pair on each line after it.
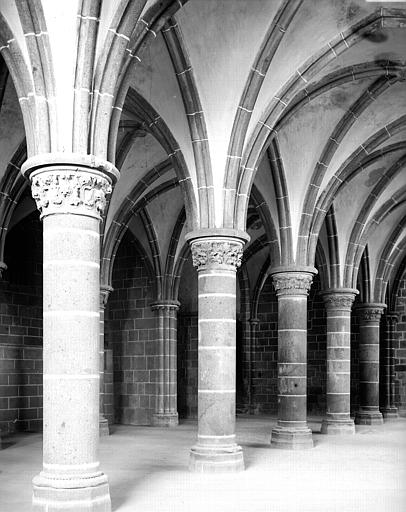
x,y
389,411
216,259
104,430
166,414
369,318
338,304
71,198
291,431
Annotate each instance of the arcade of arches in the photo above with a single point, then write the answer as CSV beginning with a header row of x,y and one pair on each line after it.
x,y
202,213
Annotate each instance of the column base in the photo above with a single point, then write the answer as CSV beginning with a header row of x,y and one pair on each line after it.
x,y
165,420
368,418
390,413
71,495
216,459
104,429
337,427
290,438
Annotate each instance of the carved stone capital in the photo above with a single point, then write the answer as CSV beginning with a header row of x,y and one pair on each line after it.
x,y
254,322
165,305
217,253
70,190
339,299
292,283
370,312
392,319
3,267
105,291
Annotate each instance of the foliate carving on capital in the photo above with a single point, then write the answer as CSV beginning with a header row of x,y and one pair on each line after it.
x,y
209,253
104,295
292,283
372,314
165,306
392,319
338,301
75,191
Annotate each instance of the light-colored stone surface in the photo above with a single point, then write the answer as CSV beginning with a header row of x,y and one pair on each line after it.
x,y
147,470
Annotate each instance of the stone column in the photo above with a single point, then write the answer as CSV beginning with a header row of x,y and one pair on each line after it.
x,y
292,431
70,192
3,267
390,411
167,400
216,259
338,304
105,291
369,317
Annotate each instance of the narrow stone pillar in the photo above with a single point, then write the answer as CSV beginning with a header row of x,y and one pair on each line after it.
x,y
292,431
105,291
369,317
254,323
338,304
3,267
71,197
167,399
390,411
216,259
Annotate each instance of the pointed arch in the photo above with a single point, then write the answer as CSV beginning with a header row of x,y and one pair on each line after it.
x,y
265,128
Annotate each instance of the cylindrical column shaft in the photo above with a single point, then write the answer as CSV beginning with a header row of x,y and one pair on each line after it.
x,y
166,414
71,199
216,259
338,307
389,411
368,413
103,423
292,431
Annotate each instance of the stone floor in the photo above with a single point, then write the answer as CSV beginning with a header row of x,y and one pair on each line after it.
x,y
147,468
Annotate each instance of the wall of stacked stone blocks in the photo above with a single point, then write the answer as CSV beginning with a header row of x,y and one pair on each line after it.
x,y
130,333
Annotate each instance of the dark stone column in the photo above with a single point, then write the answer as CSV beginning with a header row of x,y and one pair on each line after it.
x,y
368,413
103,423
167,407
292,431
3,267
216,259
338,307
390,411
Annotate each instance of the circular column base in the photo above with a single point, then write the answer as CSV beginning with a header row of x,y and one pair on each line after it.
x,y
337,427
165,420
291,438
390,414
50,495
104,429
368,418
216,459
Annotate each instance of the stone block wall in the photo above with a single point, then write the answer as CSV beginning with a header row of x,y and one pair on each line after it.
x,y
264,377
130,331
187,365
108,386
400,347
316,350
21,329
